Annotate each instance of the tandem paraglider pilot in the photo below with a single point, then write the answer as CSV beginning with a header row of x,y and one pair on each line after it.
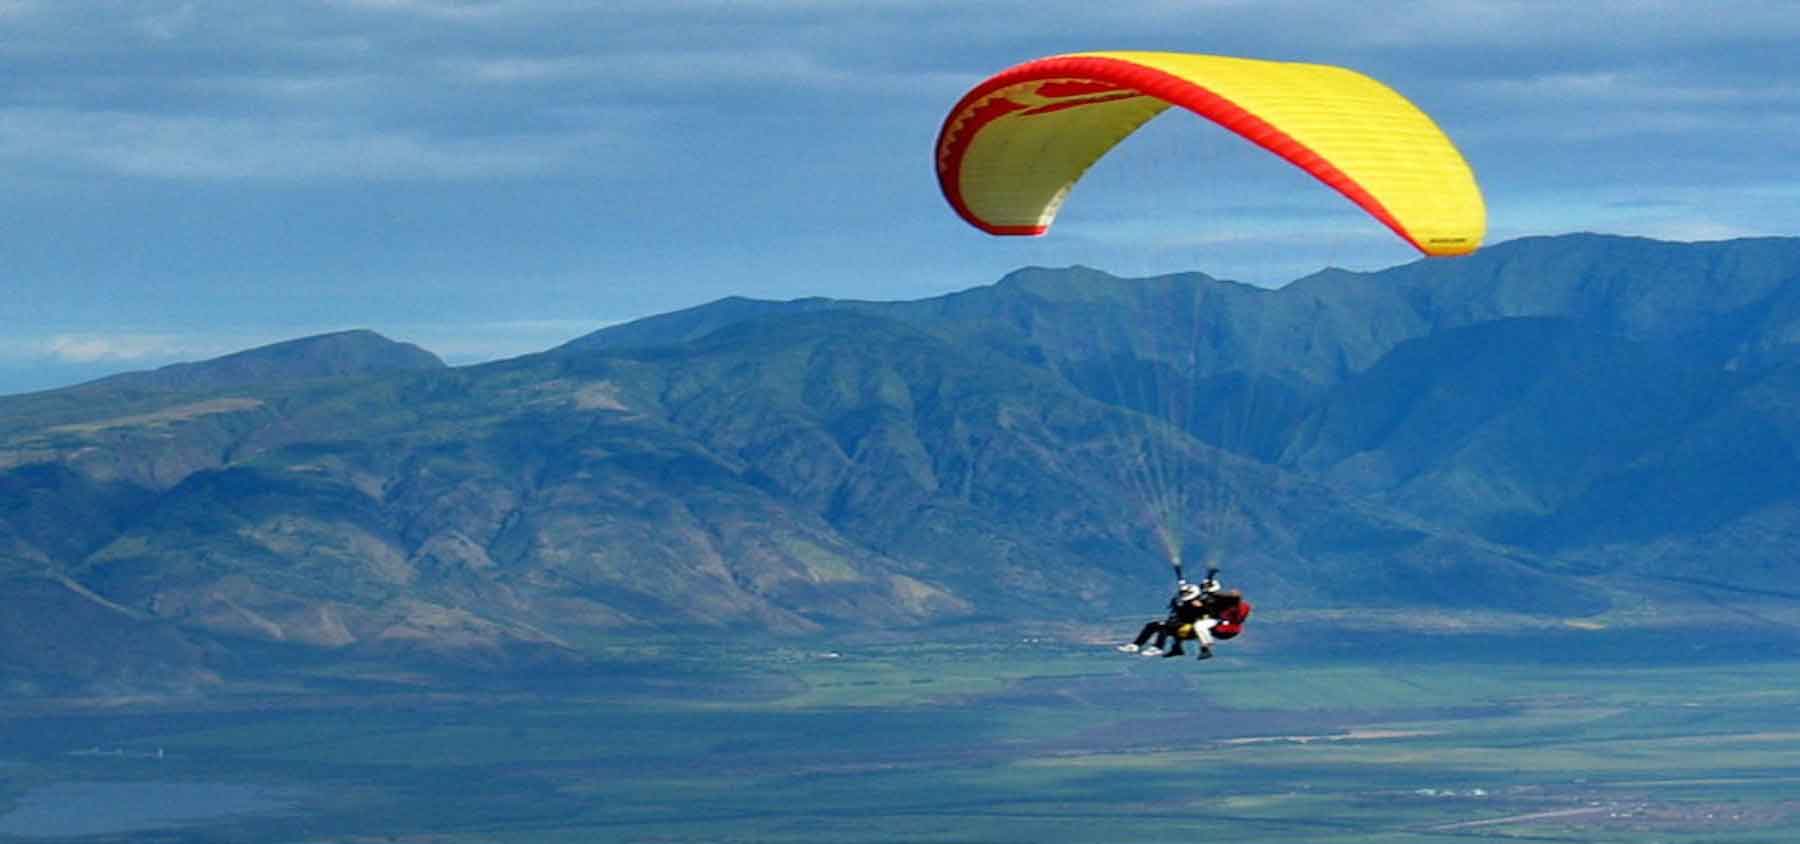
x,y
1202,612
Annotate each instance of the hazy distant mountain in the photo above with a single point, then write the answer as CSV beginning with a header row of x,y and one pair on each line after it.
x,y
359,352
1530,427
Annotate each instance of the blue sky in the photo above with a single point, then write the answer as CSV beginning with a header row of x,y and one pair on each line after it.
x,y
185,178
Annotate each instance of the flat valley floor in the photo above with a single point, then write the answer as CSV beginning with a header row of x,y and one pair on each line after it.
x,y
1579,736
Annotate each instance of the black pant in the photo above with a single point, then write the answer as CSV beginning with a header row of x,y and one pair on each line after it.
x,y
1163,631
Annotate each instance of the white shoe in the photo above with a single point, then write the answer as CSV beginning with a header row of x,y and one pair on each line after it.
x,y
1128,649
1151,651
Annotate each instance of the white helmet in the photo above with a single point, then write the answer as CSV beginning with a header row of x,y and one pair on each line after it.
x,y
1189,591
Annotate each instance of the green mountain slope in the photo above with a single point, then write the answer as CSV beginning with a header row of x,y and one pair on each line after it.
x,y
1522,393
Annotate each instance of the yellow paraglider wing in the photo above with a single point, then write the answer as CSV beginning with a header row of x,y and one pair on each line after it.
x,y
1014,146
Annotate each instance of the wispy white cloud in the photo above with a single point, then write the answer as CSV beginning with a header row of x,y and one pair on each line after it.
x,y
1691,230
169,23
1604,26
292,150
300,92
456,342
123,347
636,76
724,68
1615,89
456,10
475,342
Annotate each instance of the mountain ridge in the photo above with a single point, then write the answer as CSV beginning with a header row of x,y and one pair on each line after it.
x,y
1407,439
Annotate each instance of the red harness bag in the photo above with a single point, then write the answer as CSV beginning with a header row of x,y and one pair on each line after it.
x,y
1231,620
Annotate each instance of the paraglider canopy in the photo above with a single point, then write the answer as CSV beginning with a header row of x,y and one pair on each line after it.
x,y
1014,146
